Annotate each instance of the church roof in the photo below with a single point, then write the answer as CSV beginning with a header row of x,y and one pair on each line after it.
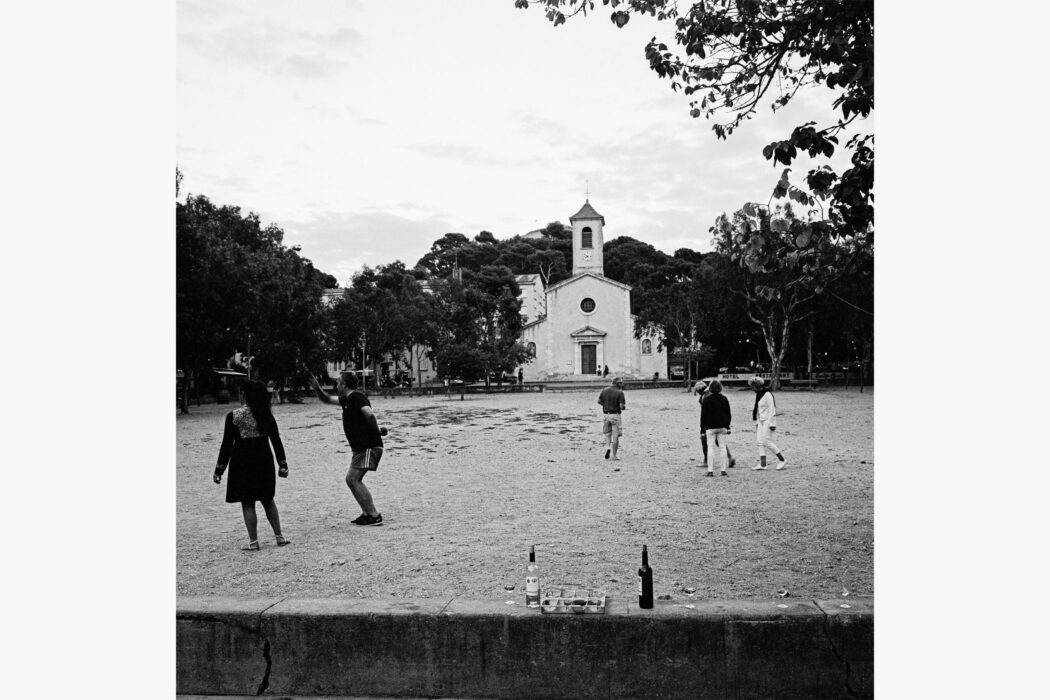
x,y
587,212
580,276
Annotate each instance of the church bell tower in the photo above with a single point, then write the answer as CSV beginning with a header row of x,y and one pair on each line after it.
x,y
587,241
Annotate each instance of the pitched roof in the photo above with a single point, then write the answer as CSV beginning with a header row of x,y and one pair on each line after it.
x,y
587,212
588,331
576,278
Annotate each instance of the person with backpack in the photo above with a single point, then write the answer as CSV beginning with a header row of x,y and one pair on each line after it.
x,y
765,416
245,449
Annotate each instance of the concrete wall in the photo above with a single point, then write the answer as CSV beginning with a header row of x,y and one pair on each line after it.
x,y
441,648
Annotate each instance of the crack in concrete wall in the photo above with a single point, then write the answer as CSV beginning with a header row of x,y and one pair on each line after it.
x,y
266,652
269,664
834,650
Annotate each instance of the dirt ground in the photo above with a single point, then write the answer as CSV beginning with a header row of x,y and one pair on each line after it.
x,y
466,486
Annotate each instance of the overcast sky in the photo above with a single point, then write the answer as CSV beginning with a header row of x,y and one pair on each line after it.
x,y
367,130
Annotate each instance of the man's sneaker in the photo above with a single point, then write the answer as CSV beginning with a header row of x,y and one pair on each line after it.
x,y
709,474
725,473
782,464
732,462
607,452
360,520
369,520
759,467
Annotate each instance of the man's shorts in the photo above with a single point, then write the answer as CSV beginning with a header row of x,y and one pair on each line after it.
x,y
612,422
367,459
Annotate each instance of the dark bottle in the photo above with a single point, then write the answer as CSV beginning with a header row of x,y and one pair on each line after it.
x,y
645,581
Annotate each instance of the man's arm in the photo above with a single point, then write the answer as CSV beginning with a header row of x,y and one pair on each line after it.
x,y
370,418
321,393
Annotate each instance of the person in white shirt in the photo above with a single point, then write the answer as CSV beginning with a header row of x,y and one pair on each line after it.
x,y
765,415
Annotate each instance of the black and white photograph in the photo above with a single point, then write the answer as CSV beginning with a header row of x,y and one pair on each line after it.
x,y
521,349
529,346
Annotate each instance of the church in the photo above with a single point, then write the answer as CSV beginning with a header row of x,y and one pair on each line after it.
x,y
576,328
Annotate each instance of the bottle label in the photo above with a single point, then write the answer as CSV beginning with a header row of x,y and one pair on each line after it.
x,y
532,584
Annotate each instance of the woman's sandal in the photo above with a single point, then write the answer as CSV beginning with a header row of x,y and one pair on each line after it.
x,y
252,546
282,541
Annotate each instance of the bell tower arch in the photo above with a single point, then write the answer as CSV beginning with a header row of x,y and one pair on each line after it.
x,y
588,237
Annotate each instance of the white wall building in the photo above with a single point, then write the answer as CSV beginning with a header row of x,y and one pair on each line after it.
x,y
575,328
587,322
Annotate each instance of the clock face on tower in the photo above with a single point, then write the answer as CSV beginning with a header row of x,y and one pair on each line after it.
x,y
587,256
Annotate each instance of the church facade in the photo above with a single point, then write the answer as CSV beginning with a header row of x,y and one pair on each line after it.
x,y
584,324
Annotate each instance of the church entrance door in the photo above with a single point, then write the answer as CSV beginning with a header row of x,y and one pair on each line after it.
x,y
589,358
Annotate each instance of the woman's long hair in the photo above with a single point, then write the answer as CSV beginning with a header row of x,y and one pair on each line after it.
x,y
257,398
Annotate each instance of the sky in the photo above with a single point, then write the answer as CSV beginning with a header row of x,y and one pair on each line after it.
x,y
368,130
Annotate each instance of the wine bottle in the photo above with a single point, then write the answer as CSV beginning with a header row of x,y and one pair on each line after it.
x,y
645,581
532,581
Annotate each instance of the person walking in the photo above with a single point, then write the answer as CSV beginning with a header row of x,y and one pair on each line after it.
x,y
365,437
613,403
716,420
765,416
245,449
701,388
521,376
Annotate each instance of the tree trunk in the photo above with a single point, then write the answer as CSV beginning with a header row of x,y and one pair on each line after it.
x,y
776,354
809,349
184,403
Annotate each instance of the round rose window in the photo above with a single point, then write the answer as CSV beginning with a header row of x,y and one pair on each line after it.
x,y
587,305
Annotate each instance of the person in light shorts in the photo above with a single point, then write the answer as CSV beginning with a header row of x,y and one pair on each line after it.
x,y
613,403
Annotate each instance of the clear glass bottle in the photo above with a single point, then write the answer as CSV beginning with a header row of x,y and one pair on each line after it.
x,y
532,581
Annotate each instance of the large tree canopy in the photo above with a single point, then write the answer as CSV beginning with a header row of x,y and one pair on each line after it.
x,y
235,278
735,55
478,324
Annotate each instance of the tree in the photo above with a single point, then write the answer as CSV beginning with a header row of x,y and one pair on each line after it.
x,y
550,255
456,251
786,268
736,54
376,315
235,278
480,322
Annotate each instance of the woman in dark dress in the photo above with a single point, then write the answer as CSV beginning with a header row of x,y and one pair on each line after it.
x,y
246,450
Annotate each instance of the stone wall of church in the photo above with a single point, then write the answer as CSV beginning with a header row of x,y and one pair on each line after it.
x,y
565,316
653,362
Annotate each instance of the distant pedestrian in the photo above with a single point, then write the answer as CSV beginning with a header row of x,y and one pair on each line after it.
x,y
765,416
245,449
701,388
716,420
613,403
365,438
605,372
521,376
